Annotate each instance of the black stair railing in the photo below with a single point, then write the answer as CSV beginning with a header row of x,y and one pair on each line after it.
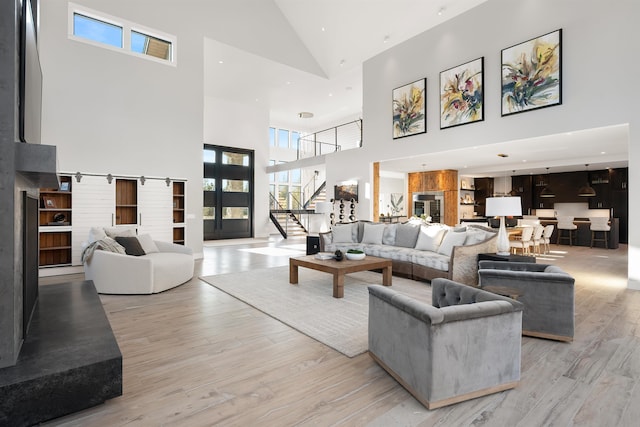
x,y
291,215
315,195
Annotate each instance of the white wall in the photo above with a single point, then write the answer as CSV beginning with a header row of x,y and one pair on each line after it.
x,y
108,112
598,44
388,186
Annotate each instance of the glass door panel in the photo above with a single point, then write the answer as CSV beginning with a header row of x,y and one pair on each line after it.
x,y
228,193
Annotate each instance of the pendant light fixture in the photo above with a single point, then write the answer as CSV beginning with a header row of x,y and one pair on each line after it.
x,y
546,191
586,190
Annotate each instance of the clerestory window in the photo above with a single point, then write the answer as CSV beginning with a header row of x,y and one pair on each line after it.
x,y
100,29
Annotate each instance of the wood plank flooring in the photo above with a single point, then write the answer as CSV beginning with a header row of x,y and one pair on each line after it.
x,y
195,356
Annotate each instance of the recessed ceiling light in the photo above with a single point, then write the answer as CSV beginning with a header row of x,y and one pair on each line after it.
x,y
221,62
342,62
386,39
441,11
330,94
603,152
305,115
323,29
288,83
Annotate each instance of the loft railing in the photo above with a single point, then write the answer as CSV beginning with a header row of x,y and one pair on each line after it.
x,y
343,137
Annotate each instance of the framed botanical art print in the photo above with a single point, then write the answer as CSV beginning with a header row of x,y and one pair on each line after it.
x,y
532,74
462,94
409,109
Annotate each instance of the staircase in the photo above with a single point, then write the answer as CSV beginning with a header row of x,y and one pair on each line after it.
x,y
288,221
319,196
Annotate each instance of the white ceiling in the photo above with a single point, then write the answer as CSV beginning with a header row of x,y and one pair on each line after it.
x,y
340,35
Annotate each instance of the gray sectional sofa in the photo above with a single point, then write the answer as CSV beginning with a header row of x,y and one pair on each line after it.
x,y
420,251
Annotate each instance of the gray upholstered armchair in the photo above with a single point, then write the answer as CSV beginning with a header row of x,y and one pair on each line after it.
x,y
465,345
546,291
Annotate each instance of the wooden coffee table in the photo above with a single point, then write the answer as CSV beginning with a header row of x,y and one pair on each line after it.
x,y
339,269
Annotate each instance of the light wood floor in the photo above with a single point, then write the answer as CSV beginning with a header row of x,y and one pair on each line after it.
x,y
195,356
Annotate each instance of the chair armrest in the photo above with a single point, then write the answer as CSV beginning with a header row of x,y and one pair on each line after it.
x,y
173,247
518,279
455,313
419,310
514,266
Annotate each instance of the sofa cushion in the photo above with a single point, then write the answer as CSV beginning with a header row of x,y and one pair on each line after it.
x,y
332,247
131,245
389,235
373,233
450,240
147,243
407,235
431,259
430,237
390,252
343,233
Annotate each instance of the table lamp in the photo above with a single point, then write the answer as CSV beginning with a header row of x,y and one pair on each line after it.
x,y
502,207
324,208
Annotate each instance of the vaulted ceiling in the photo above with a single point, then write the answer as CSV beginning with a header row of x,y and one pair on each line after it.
x,y
323,45
295,56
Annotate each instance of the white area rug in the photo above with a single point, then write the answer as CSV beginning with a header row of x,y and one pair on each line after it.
x,y
274,251
309,307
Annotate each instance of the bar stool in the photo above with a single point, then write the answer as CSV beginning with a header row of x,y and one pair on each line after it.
x,y
600,224
565,224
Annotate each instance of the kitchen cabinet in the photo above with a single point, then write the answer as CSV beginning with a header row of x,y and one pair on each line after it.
x,y
483,189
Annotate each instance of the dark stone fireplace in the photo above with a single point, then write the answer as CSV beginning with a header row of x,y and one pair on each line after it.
x,y
58,353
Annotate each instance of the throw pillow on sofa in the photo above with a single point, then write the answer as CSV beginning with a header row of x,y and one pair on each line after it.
x,y
113,232
407,235
343,233
96,233
131,245
147,243
389,235
430,237
475,235
373,233
450,240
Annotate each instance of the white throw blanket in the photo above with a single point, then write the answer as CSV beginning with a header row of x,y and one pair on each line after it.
x,y
106,244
